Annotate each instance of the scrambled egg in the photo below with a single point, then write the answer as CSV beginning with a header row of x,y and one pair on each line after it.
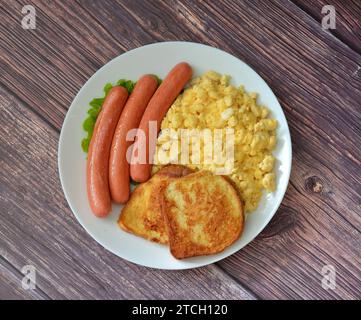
x,y
211,102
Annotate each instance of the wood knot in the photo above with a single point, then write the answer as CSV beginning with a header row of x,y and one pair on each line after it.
x,y
314,184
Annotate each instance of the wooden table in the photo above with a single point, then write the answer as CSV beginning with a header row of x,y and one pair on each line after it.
x,y
315,73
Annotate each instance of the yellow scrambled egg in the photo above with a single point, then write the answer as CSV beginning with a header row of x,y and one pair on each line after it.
x,y
211,102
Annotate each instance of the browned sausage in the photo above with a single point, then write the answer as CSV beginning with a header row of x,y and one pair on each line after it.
x,y
157,108
129,119
99,149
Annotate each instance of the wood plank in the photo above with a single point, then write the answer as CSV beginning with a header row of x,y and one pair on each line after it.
x,y
38,228
46,67
348,22
10,284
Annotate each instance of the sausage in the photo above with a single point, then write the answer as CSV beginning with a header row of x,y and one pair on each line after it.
x,y
99,149
119,175
157,108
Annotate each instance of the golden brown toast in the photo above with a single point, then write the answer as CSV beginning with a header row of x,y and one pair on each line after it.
x,y
142,213
203,214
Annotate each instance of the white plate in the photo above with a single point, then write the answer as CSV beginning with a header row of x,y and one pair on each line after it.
x,y
158,59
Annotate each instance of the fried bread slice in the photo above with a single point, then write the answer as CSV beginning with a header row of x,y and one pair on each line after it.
x,y
203,214
142,213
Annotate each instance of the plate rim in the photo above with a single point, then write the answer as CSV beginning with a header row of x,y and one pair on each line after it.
x,y
211,259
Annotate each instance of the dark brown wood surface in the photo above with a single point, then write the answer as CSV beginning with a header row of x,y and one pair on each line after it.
x,y
316,75
348,22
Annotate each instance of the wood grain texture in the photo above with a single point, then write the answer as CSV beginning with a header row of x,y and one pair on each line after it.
x,y
38,228
348,22
313,73
47,66
11,284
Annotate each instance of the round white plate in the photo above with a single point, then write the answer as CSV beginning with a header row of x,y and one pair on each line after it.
x,y
158,59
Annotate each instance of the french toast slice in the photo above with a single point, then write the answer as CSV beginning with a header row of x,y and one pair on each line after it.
x,y
142,213
203,214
